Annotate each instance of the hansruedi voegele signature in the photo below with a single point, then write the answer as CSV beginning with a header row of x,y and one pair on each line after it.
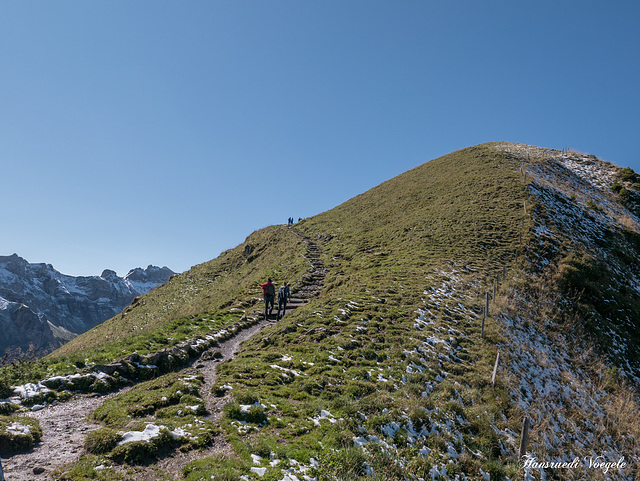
x,y
592,462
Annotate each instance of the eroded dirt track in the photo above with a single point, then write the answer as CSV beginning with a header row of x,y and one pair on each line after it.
x,y
64,428
66,425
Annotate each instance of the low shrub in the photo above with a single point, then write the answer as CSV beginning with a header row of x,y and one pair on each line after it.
x,y
246,398
5,389
19,433
7,408
141,452
102,440
219,391
629,175
255,414
215,467
348,463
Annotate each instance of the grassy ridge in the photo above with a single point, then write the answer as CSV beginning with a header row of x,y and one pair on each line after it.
x,y
207,297
354,362
464,207
447,208
355,351
388,357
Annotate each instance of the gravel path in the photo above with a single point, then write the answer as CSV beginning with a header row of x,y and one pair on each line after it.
x,y
174,464
66,425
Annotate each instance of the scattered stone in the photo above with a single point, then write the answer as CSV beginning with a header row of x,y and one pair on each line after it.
x,y
38,470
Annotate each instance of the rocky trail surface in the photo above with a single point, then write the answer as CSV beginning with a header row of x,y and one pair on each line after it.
x,y
65,425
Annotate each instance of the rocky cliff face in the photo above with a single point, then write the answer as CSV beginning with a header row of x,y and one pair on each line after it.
x,y
40,308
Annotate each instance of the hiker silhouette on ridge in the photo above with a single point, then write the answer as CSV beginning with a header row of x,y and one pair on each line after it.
x,y
269,291
284,295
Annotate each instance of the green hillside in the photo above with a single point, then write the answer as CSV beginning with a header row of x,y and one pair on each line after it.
x,y
463,207
209,296
386,372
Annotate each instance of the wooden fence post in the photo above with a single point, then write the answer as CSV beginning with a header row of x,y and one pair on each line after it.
x,y
504,272
495,370
487,306
524,438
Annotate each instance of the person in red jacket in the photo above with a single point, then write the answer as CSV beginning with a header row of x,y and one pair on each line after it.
x,y
269,291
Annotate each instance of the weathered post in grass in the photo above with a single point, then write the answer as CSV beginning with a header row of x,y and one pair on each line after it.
x,y
485,313
493,298
495,370
487,304
524,438
525,207
504,273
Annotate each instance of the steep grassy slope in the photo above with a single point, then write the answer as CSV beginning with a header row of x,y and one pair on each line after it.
x,y
587,240
211,296
390,359
570,337
355,362
386,374
464,206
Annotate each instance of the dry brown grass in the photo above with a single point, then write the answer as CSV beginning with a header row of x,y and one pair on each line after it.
x,y
536,303
629,222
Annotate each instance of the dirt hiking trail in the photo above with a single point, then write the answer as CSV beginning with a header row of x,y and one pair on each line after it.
x,y
65,425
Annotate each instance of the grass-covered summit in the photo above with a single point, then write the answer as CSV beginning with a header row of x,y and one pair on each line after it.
x,y
386,372
462,208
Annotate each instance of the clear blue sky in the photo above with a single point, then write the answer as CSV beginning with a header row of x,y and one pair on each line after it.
x,y
164,132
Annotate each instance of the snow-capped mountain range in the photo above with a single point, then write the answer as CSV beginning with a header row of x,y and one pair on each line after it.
x,y
41,309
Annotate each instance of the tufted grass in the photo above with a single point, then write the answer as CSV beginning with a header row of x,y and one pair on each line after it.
x,y
352,363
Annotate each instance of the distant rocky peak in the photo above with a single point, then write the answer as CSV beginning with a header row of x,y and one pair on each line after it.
x,y
150,274
108,274
15,264
58,305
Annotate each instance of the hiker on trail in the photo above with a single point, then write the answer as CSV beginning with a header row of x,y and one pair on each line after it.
x,y
269,291
284,295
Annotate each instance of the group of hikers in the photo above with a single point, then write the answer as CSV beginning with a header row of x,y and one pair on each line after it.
x,y
290,221
269,291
